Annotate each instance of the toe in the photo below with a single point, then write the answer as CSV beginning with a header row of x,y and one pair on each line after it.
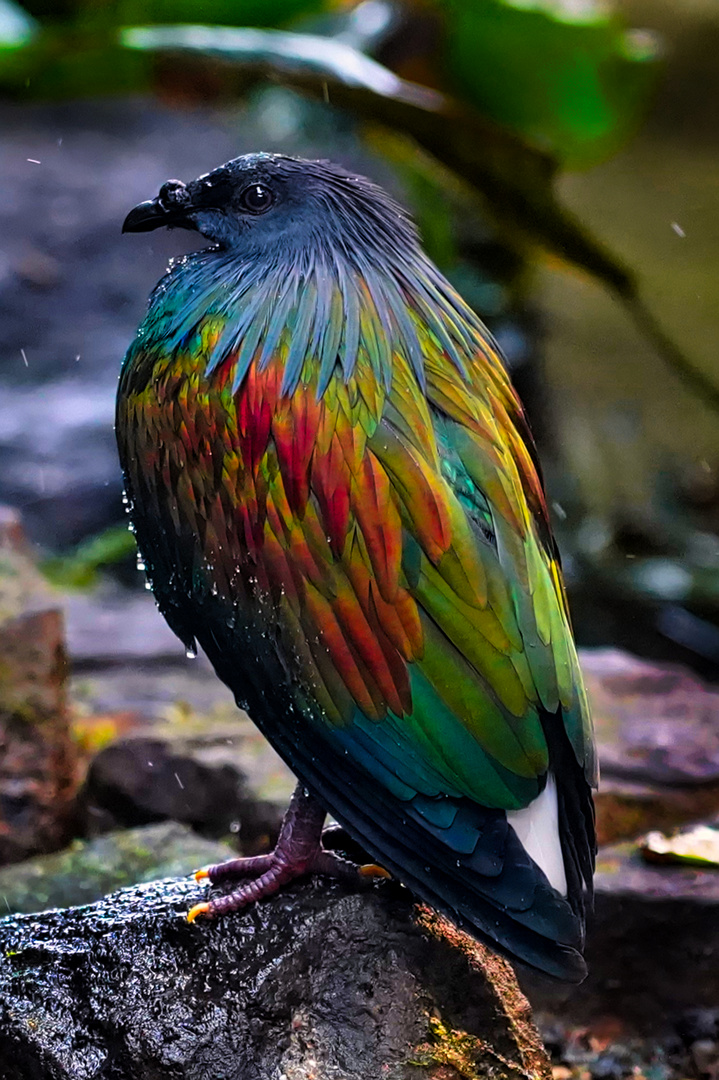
x,y
198,909
371,870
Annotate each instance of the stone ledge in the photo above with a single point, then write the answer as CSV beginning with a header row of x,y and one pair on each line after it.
x,y
317,982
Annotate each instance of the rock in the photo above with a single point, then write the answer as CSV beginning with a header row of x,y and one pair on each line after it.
x,y
88,870
22,587
58,456
607,1049
626,809
316,982
187,706
139,780
705,1057
656,723
152,688
658,734
652,945
177,715
179,748
649,779
227,735
699,1030
37,754
111,626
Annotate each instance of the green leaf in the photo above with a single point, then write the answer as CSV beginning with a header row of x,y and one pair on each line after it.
x,y
564,73
79,570
223,12
114,13
65,64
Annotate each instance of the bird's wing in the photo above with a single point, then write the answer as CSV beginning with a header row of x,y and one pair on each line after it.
x,y
408,536
395,542
407,545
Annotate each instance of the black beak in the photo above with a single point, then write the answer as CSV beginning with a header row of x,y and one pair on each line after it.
x,y
171,207
148,215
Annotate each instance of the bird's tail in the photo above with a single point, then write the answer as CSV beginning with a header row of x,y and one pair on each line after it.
x,y
497,891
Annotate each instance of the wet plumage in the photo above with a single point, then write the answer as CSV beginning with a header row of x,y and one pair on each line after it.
x,y
336,495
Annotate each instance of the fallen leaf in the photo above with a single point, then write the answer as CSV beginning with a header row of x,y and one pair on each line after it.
x,y
697,846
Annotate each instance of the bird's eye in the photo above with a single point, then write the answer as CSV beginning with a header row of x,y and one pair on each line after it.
x,y
256,198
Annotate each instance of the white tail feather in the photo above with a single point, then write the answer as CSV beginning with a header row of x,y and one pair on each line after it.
x,y
537,827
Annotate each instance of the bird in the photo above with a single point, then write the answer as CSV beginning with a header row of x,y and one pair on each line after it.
x,y
336,495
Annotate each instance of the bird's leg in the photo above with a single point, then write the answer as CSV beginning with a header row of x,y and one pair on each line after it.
x,y
298,852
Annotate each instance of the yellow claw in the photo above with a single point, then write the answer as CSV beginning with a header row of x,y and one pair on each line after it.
x,y
201,875
373,870
198,909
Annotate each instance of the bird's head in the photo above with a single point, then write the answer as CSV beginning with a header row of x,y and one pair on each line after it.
x,y
261,201
305,252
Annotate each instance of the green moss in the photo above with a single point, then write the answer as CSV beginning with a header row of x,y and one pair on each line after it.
x,y
88,870
449,1054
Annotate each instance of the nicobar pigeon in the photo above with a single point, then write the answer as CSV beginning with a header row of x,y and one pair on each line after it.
x,y
336,495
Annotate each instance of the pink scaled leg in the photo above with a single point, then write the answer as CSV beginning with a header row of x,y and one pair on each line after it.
x,y
298,852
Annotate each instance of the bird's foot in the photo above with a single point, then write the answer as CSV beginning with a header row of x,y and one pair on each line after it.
x,y
298,852
268,873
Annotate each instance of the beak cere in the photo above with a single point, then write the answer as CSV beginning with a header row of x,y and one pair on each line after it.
x,y
171,207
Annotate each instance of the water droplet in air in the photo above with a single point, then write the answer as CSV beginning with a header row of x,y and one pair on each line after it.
x,y
191,653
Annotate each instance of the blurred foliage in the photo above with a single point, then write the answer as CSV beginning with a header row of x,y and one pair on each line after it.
x,y
564,74
498,53
125,12
77,54
80,569
16,27
568,75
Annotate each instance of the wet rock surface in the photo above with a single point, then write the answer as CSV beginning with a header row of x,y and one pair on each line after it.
x,y
316,982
